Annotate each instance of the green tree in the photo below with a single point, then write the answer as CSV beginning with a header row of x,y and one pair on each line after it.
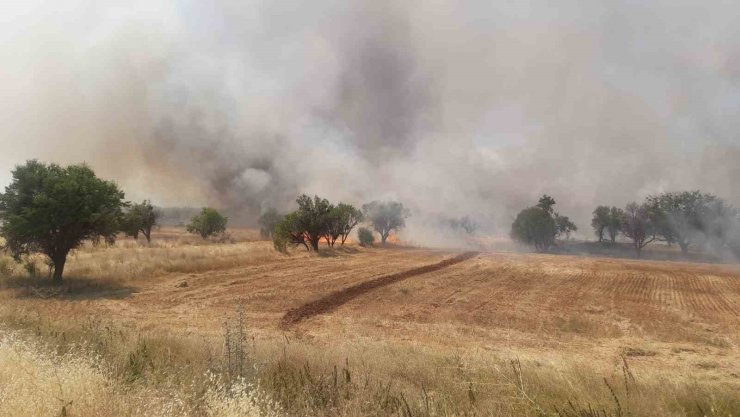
x,y
365,236
600,221
208,223
267,222
564,225
307,225
385,217
140,218
536,227
289,231
342,219
52,209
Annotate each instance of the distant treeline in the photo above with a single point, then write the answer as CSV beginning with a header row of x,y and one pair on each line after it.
x,y
692,220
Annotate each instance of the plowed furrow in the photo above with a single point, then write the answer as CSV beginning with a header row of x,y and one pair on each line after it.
x,y
338,298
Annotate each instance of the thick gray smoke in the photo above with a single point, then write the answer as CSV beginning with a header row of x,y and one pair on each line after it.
x,y
454,108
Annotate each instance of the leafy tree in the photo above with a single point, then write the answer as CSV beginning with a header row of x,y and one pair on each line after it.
x,y
564,226
307,225
718,221
616,217
386,217
365,236
51,209
342,219
289,231
140,218
638,224
600,221
208,223
546,203
535,226
678,215
267,222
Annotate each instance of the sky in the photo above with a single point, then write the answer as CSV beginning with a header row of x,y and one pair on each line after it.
x,y
451,107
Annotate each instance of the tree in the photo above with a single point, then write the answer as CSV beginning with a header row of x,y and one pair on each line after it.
x,y
678,215
342,219
365,236
564,225
546,203
305,226
385,217
289,231
140,218
638,224
267,222
208,223
600,221
51,209
616,217
535,226
464,223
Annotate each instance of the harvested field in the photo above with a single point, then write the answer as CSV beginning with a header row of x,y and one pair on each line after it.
x,y
409,315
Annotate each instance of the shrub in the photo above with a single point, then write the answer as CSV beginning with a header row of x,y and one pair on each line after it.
x,y
208,223
365,236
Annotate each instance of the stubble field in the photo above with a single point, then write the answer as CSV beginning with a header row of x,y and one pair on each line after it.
x,y
483,334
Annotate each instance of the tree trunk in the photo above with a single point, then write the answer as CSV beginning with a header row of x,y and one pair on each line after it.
x,y
148,235
638,249
58,261
384,236
314,240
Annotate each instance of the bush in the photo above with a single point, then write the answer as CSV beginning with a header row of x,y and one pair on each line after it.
x,y
208,223
365,236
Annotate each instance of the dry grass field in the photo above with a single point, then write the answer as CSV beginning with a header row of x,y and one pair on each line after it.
x,y
151,329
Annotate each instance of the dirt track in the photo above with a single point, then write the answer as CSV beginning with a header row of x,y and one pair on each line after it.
x,y
331,301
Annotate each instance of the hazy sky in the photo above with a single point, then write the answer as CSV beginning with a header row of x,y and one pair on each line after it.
x,y
453,107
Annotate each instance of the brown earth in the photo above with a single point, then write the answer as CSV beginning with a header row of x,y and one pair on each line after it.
x,y
668,317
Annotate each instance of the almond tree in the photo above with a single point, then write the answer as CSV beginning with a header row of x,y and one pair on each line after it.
x,y
52,210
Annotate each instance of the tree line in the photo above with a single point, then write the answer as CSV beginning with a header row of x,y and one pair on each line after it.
x,y
688,219
52,210
317,219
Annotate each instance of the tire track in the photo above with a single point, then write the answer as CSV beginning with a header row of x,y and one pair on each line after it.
x,y
336,299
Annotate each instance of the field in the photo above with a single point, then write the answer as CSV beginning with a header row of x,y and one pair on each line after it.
x,y
398,331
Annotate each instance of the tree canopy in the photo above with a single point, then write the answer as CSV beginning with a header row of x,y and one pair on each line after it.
x,y
140,218
342,219
386,217
534,226
678,216
539,225
208,223
638,225
52,209
600,221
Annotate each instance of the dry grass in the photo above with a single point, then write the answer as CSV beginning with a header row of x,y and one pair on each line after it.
x,y
503,335
37,380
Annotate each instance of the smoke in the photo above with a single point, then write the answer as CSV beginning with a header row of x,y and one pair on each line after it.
x,y
454,108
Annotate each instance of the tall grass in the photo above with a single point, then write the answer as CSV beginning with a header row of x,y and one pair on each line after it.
x,y
91,367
